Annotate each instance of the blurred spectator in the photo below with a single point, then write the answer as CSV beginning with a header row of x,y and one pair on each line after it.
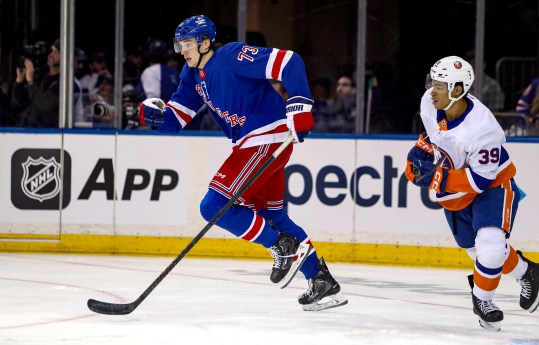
x,y
492,94
323,103
175,61
37,101
133,65
528,104
103,109
79,60
160,79
35,98
98,67
343,112
343,107
131,97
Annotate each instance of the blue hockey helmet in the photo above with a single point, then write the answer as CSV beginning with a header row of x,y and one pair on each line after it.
x,y
196,26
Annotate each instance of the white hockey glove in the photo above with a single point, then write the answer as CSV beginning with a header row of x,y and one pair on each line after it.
x,y
299,118
152,112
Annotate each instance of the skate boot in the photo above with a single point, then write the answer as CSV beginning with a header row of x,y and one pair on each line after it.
x,y
288,256
489,314
323,292
529,298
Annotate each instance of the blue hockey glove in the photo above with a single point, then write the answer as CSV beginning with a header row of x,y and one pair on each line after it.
x,y
152,112
422,150
429,175
299,118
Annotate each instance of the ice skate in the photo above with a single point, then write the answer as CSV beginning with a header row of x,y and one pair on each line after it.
x,y
529,298
488,313
288,255
323,292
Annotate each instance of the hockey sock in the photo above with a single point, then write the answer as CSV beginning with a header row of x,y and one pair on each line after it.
x,y
239,220
282,221
492,251
514,266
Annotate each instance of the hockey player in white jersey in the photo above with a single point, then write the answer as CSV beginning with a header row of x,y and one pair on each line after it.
x,y
461,157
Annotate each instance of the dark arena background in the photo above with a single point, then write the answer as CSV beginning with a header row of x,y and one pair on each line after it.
x,y
404,38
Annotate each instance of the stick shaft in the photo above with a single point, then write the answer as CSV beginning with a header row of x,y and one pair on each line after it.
x,y
440,161
120,309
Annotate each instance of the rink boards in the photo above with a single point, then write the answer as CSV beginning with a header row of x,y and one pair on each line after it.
x,y
139,193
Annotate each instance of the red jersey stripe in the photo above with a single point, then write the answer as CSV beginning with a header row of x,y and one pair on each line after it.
x,y
275,71
181,114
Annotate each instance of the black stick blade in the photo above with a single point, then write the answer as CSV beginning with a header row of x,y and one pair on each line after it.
x,y
110,308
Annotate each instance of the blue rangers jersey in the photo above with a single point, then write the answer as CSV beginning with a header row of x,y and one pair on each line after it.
x,y
235,86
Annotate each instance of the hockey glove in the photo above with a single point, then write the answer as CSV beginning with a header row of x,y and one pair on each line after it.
x,y
422,150
299,118
429,175
152,112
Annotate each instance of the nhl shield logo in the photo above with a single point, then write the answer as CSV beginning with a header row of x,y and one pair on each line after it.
x,y
41,178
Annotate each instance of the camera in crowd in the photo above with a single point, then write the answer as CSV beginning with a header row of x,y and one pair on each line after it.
x,y
102,109
37,53
130,108
104,112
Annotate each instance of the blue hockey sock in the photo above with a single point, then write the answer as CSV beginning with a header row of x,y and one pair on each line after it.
x,y
282,221
239,220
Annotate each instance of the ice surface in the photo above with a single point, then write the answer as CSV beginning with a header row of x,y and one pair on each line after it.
x,y
232,302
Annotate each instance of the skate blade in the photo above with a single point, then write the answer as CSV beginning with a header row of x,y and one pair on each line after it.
x,y
490,326
327,302
301,255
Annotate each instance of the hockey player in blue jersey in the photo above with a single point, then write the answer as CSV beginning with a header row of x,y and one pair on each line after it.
x,y
234,83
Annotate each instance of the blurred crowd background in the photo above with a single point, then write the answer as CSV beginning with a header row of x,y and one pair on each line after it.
x,y
403,39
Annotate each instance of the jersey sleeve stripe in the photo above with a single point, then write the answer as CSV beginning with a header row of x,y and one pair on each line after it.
x,y
183,115
277,62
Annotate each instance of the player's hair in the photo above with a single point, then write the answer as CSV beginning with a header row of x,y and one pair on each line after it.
x,y
214,45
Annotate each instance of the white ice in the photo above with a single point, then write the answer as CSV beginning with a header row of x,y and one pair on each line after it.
x,y
220,302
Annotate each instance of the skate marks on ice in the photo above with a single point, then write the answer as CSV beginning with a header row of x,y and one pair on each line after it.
x,y
208,301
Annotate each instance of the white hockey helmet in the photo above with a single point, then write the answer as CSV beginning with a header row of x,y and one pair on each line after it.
x,y
451,70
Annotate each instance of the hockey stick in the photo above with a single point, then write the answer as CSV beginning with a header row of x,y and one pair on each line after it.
x,y
416,171
123,309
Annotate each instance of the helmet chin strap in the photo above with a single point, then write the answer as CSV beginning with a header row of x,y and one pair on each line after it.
x,y
453,100
450,104
200,55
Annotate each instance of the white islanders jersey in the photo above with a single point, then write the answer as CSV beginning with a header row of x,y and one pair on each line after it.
x,y
472,146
